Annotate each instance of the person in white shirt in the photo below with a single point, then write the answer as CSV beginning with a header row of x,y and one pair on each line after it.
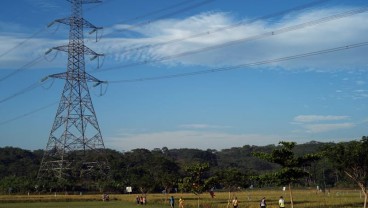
x,y
281,202
235,202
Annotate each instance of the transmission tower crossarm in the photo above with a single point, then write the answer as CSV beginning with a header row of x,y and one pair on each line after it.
x,y
89,51
62,75
93,79
74,20
86,76
83,49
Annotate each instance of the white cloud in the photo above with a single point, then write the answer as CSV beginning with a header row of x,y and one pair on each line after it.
x,y
202,126
359,94
319,128
187,139
318,118
327,35
18,50
322,123
331,34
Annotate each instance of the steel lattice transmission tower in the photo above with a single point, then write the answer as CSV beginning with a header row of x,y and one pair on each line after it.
x,y
75,148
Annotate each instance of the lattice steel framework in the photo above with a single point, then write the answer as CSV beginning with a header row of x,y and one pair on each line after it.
x,y
75,147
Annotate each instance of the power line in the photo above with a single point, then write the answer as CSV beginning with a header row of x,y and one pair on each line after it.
x,y
32,62
267,34
214,70
22,68
35,61
287,29
164,16
22,42
298,8
36,110
27,89
157,11
228,68
27,114
97,5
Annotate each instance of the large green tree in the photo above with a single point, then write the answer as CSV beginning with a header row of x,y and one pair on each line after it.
x,y
292,166
351,159
197,179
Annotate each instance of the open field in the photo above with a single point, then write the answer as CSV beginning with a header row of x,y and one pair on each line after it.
x,y
247,199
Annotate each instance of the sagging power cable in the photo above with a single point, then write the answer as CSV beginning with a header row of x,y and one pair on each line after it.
x,y
228,68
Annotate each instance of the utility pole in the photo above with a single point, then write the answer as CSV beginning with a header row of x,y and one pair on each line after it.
x,y
75,148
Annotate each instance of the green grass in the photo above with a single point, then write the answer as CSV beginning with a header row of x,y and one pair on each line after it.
x,y
247,199
88,204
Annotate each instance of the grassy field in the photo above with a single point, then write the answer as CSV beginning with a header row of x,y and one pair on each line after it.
x,y
247,199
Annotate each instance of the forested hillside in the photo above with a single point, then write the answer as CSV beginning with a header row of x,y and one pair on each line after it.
x,y
163,169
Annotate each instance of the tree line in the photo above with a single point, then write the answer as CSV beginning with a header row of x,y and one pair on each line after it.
x,y
312,164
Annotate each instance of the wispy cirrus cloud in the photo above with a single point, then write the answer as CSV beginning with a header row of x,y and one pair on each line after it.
x,y
202,126
339,32
318,118
19,50
359,94
322,123
319,128
117,47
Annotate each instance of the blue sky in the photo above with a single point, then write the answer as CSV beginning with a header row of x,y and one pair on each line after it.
x,y
321,97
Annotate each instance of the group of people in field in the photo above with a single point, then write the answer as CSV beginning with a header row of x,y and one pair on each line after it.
x,y
234,202
141,200
262,203
172,202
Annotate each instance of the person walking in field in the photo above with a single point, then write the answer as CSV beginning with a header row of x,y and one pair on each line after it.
x,y
137,199
172,202
144,200
141,200
263,204
281,202
235,202
181,203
